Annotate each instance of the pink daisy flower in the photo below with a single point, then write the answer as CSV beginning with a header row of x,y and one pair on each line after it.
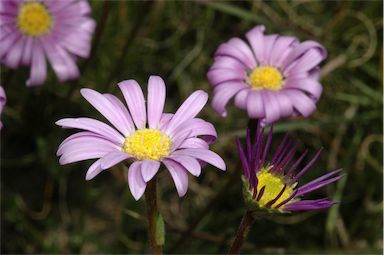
x,y
271,76
144,135
34,32
3,100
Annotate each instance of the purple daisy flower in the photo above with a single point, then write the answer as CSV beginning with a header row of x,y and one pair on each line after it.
x,y
272,77
272,184
33,32
3,100
145,135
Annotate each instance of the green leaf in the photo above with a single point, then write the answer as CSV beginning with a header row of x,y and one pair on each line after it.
x,y
160,230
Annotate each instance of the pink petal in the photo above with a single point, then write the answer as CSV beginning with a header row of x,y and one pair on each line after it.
x,y
310,86
194,142
113,158
179,176
255,104
301,102
38,67
149,168
190,163
93,170
241,98
256,40
272,107
188,110
109,110
156,100
217,76
94,126
204,155
223,93
135,100
135,181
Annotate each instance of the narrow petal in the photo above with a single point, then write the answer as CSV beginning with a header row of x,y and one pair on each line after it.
x,y
149,168
285,104
13,57
309,205
197,127
225,62
301,102
179,176
135,100
93,170
204,155
223,93
272,111
188,110
38,67
256,40
109,110
239,50
310,86
241,98
282,45
136,182
217,76
195,143
94,126
113,158
156,100
190,163
255,105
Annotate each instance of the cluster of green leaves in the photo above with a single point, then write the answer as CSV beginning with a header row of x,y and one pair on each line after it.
x,y
48,208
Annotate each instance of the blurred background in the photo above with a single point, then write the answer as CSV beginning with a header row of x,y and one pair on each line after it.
x,y
48,208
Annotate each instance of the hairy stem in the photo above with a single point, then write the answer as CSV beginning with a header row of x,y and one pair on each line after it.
x,y
152,214
242,232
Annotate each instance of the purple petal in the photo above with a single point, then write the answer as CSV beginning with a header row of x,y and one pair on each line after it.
x,y
241,98
301,102
197,127
156,99
256,40
149,168
195,143
223,93
310,86
217,76
285,104
93,170
179,176
272,109
309,205
13,57
94,126
204,155
38,67
319,182
225,62
123,113
282,46
305,63
239,50
189,163
255,105
113,158
136,182
108,109
188,110
135,100
26,58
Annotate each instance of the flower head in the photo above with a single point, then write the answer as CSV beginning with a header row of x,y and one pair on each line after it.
x,y
273,184
41,30
271,76
3,100
143,134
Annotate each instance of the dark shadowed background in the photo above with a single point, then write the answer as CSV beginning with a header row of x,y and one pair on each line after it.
x,y
48,208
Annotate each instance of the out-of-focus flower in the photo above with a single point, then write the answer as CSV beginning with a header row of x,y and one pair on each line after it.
x,y
3,100
272,77
272,184
143,134
33,32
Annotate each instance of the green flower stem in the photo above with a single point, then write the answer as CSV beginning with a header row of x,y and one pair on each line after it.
x,y
152,215
242,232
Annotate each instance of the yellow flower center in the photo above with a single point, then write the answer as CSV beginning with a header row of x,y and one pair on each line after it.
x,y
265,77
273,186
147,144
34,19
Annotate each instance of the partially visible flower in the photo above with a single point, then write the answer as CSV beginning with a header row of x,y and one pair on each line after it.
x,y
3,100
36,31
145,135
273,184
272,77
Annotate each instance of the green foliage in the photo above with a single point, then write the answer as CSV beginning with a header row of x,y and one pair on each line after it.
x,y
48,208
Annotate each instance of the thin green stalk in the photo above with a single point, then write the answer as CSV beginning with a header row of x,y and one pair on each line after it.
x,y
242,232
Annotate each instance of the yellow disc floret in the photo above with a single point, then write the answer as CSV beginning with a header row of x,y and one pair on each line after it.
x,y
148,144
34,19
265,77
273,186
